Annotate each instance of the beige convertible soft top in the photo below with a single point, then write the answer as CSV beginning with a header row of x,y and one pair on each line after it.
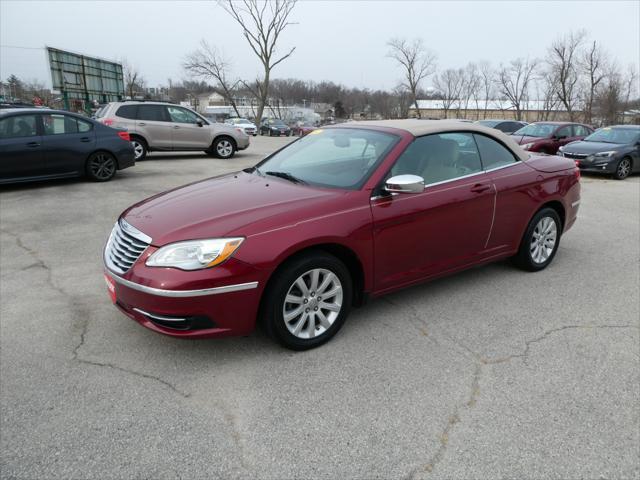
x,y
425,127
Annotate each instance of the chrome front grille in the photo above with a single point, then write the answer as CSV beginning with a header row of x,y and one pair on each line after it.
x,y
577,156
126,244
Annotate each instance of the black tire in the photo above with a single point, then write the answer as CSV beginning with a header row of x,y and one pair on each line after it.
x,y
524,259
139,145
101,166
223,147
289,133
623,169
283,283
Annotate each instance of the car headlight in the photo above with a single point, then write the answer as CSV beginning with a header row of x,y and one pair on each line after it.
x,y
527,146
610,153
561,149
195,254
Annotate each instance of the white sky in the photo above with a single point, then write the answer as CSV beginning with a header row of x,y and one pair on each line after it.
x,y
342,41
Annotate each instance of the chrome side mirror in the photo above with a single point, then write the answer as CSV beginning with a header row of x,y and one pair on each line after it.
x,y
404,184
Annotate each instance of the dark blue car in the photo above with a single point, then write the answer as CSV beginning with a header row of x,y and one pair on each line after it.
x,y
40,144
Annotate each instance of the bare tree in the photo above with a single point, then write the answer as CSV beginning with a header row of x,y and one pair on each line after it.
x,y
487,76
563,60
514,80
449,84
546,89
417,62
207,62
592,63
133,81
262,24
471,84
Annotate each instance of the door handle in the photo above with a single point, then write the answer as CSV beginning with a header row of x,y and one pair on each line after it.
x,y
85,139
141,124
33,144
480,187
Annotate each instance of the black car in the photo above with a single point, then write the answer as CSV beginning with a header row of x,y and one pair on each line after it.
x,y
275,127
613,150
47,144
506,126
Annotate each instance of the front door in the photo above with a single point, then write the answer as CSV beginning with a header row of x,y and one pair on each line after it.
x,y
189,131
21,153
417,235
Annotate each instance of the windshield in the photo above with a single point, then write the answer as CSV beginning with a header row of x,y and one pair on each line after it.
x,y
277,123
614,135
241,120
537,130
335,157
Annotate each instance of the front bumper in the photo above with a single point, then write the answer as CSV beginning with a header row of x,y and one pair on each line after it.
x,y
181,304
595,165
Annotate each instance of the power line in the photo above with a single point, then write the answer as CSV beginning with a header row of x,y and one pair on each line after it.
x,y
22,48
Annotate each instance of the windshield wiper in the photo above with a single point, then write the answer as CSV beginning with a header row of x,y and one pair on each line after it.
x,y
286,176
253,170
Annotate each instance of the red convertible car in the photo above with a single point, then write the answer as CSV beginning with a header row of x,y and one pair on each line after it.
x,y
340,215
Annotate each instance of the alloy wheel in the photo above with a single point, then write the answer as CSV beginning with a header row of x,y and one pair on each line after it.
x,y
138,149
313,303
102,166
224,148
543,240
624,168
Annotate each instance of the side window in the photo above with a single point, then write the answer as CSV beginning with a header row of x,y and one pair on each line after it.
x,y
58,124
440,157
181,115
18,126
152,113
564,132
493,153
504,126
84,126
580,131
127,111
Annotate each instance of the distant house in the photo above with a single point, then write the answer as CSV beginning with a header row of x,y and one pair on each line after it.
x,y
531,111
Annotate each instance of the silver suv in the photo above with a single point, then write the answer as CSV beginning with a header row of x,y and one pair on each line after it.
x,y
156,126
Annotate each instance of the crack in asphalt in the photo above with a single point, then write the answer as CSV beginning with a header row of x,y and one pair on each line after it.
x,y
480,363
83,313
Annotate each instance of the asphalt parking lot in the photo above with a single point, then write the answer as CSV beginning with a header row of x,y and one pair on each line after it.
x,y
492,373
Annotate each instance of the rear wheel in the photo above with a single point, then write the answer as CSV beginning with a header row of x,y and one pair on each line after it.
x,y
140,148
540,242
101,166
623,170
308,302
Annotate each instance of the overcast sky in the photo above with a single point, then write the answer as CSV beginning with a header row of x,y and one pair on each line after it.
x,y
343,41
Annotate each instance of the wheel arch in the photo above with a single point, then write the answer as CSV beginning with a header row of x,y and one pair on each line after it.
x,y
100,150
224,135
343,253
558,207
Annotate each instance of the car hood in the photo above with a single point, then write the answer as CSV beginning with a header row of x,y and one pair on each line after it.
x,y
522,139
591,147
237,204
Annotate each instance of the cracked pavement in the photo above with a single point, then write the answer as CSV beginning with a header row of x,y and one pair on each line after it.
x,y
491,373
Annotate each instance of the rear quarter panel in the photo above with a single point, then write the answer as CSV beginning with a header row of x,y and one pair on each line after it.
x,y
521,192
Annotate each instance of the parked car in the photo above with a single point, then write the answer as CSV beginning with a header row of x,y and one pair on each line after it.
x,y
275,127
303,129
547,137
347,213
157,126
247,127
614,150
41,144
505,126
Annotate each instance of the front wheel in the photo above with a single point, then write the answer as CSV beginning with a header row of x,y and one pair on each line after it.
x,y
540,242
101,166
623,170
308,302
224,147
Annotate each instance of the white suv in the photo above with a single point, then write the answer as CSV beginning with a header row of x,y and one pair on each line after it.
x,y
156,126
